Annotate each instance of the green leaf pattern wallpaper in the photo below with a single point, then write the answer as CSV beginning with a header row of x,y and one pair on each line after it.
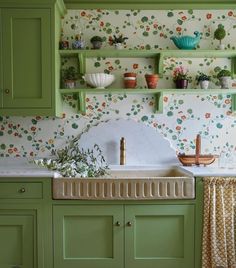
x,y
183,116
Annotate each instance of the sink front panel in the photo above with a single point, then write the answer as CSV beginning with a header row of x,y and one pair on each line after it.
x,y
125,188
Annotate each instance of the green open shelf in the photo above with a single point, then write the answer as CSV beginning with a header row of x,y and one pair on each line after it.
x,y
158,94
158,55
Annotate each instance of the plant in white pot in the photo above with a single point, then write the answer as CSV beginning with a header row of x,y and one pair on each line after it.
x,y
118,41
203,80
220,34
69,77
224,77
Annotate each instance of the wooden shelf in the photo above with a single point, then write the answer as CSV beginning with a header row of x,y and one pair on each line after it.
x,y
158,93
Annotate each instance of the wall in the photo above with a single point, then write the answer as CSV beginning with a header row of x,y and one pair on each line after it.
x,y
184,115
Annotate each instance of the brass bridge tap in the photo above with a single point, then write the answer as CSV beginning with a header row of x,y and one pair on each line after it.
x,y
122,151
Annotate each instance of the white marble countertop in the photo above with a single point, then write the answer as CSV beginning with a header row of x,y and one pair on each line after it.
x,y
14,167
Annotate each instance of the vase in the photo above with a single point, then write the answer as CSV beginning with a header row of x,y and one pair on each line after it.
x,y
204,84
151,80
182,83
224,82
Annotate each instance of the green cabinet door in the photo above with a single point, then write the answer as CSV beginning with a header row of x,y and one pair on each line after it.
x,y
17,239
159,236
88,236
26,56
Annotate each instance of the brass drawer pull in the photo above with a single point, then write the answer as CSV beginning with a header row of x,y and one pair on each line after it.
x,y
129,223
118,223
7,91
22,190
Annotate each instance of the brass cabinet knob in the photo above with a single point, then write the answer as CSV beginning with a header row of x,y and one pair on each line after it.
x,y
118,223
22,190
7,91
129,223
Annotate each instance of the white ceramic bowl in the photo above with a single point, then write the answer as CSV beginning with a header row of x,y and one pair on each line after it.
x,y
99,80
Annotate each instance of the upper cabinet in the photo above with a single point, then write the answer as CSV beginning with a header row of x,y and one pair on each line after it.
x,y
28,60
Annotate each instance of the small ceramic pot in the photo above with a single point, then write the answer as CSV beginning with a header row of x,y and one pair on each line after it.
x,y
130,80
118,46
204,84
182,83
224,82
151,80
221,47
97,44
69,83
63,45
78,44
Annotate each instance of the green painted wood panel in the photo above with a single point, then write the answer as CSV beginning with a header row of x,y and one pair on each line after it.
x,y
21,190
87,236
159,236
27,75
17,240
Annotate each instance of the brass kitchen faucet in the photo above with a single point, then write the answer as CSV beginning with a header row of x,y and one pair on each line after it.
x,y
122,151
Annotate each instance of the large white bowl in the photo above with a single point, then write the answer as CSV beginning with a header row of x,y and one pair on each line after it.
x,y
99,80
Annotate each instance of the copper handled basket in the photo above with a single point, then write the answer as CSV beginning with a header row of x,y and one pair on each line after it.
x,y
197,159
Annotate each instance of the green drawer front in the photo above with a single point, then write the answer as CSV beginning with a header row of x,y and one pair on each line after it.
x,y
21,190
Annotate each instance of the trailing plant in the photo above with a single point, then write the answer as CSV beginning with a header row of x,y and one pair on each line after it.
x,y
181,73
220,33
224,73
75,162
70,73
202,77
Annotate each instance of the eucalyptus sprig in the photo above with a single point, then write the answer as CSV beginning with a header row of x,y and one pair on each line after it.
x,y
75,162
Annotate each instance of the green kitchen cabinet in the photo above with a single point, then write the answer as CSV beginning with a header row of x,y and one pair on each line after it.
x,y
99,236
29,41
25,223
88,236
159,236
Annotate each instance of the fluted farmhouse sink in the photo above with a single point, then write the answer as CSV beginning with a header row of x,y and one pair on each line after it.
x,y
128,184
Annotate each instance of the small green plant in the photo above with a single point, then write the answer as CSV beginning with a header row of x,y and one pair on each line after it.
x,y
202,77
220,33
224,73
96,39
70,73
118,40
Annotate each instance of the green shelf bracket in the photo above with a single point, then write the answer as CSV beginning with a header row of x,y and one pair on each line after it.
x,y
81,102
160,65
159,102
233,66
82,63
233,101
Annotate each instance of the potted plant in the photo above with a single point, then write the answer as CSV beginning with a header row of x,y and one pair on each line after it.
x,y
118,41
69,77
219,34
152,80
180,77
224,77
203,80
96,42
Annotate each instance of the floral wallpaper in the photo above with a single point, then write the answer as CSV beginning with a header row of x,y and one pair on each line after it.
x,y
183,116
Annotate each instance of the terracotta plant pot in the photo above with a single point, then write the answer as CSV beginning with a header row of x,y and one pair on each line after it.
x,y
183,83
130,80
151,80
69,83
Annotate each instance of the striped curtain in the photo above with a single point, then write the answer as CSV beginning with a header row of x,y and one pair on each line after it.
x,y
218,244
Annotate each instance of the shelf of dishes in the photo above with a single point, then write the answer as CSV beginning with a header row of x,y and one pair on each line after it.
x,y
158,94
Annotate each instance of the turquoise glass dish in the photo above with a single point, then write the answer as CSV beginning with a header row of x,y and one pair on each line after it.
x,y
186,41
